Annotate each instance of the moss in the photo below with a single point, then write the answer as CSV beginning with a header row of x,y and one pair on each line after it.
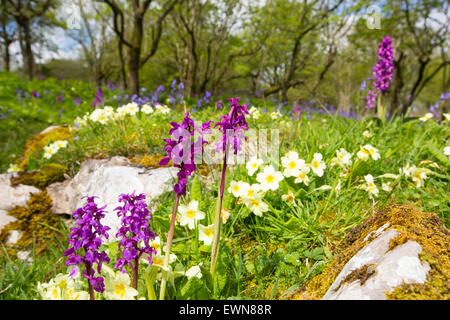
x,y
361,274
49,173
425,228
39,141
151,160
37,224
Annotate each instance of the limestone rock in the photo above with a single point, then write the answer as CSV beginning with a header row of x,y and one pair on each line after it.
x,y
13,196
389,269
107,179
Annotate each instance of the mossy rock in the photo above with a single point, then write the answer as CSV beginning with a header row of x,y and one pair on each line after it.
x,y
49,173
425,228
39,227
40,140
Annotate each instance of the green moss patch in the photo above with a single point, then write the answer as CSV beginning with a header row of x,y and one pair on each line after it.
x,y
49,173
39,227
425,228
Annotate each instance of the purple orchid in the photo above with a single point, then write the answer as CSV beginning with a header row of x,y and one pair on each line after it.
x,y
175,148
85,240
382,72
135,233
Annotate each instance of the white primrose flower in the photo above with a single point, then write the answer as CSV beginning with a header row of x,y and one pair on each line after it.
x,y
343,158
250,191
426,117
386,186
60,144
225,214
269,178
147,109
371,188
193,272
190,214
118,285
49,151
317,165
367,134
162,108
366,151
132,108
257,206
302,176
253,165
236,188
121,112
290,197
418,175
206,234
447,151
276,115
13,168
292,164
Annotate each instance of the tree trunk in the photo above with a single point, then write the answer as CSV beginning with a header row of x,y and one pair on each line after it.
x,y
133,70
29,64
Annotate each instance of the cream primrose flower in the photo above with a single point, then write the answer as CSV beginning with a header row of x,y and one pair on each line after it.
x,y
250,191
236,188
253,165
407,170
98,115
60,144
317,165
367,134
206,233
269,178
121,112
418,175
146,108
13,168
446,116
426,117
132,108
290,197
49,151
225,214
371,188
77,295
343,158
367,151
276,115
447,151
254,112
194,272
302,176
257,206
156,244
158,260
162,108
79,122
61,287
117,286
292,164
386,186
190,214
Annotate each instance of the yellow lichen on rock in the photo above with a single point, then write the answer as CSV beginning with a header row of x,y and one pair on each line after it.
x,y
424,228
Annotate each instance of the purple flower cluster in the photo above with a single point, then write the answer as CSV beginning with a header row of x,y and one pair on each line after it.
x,y
85,240
176,149
382,72
98,98
134,231
232,126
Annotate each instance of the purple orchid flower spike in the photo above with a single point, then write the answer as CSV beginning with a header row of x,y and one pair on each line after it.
x,y
135,233
85,240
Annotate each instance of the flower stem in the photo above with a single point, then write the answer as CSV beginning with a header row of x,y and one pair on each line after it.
x,y
162,291
218,220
